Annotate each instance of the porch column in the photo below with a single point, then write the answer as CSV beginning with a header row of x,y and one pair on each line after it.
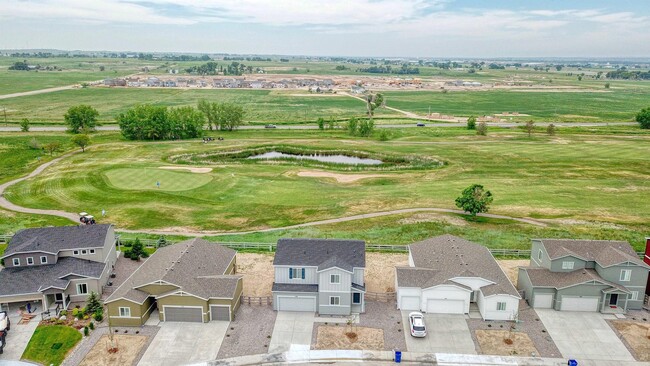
x,y
627,296
65,306
45,304
602,307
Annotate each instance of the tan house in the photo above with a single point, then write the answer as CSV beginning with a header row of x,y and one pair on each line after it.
x,y
192,281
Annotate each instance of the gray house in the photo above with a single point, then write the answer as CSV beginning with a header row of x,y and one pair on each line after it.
x,y
57,265
584,275
320,275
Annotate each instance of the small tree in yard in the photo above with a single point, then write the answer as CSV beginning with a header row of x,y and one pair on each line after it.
x,y
93,304
482,129
24,125
162,242
643,117
81,117
81,140
474,199
137,251
471,123
529,127
52,147
550,129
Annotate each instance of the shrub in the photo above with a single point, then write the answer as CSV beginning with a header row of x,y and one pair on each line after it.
x,y
92,303
86,331
384,135
98,316
91,326
24,125
34,144
482,129
471,123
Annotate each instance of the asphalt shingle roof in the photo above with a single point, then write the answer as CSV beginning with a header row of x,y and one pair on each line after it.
x,y
294,287
196,266
542,277
321,253
33,279
54,239
604,252
439,259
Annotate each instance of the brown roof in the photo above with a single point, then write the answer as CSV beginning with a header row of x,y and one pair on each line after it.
x,y
542,277
196,266
439,259
604,252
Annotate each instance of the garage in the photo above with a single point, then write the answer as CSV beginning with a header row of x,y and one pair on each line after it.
x,y
543,301
220,312
445,306
183,314
296,303
410,303
574,303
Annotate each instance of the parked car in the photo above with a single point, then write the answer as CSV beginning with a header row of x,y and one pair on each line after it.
x,y
269,126
416,323
421,124
5,325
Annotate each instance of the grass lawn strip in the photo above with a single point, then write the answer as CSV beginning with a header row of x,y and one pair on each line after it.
x,y
51,343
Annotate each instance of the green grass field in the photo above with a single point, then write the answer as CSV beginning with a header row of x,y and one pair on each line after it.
x,y
148,179
42,347
585,183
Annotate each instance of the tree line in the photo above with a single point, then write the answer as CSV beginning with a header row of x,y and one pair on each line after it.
x,y
213,68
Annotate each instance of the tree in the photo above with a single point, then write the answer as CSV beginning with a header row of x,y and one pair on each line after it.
x,y
52,147
366,127
93,304
373,101
185,122
321,123
102,68
482,129
230,117
474,199
471,123
137,251
606,85
330,124
81,140
550,129
643,117
353,124
210,111
144,122
81,117
162,242
24,125
558,67
529,127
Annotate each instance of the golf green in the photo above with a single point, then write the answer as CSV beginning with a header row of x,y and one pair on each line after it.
x,y
155,179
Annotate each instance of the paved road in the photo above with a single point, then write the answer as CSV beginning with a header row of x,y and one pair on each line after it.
x,y
314,127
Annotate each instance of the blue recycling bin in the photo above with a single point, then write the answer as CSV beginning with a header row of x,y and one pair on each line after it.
x,y
398,356
572,363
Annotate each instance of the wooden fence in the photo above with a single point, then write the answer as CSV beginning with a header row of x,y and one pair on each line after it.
x,y
381,296
257,300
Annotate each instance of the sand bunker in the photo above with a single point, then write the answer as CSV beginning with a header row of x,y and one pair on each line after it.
x,y
341,178
191,169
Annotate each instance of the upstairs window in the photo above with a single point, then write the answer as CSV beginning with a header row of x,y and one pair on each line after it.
x,y
335,279
91,251
75,252
30,261
296,273
84,252
125,312
567,265
16,262
82,289
626,274
43,259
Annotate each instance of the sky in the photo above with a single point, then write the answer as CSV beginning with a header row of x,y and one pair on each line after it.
x,y
378,28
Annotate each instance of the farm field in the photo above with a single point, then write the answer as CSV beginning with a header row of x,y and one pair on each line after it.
x,y
586,185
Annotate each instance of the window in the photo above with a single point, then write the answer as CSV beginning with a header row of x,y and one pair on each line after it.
x,y
296,273
567,265
84,252
335,300
43,259
539,255
125,312
356,298
16,261
82,289
501,306
634,295
75,252
91,251
335,279
626,274
30,261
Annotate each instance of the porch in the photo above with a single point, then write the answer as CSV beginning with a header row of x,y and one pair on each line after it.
x,y
614,301
53,303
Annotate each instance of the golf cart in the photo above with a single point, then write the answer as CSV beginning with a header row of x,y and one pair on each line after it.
x,y
86,219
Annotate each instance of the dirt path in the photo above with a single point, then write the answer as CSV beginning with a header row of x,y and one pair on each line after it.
x,y
4,203
405,113
39,91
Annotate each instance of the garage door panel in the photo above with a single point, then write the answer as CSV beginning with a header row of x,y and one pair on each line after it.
x,y
543,301
410,303
183,314
220,313
445,306
573,303
295,303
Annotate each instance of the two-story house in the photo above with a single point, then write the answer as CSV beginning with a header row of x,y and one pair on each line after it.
x,y
57,265
584,275
320,275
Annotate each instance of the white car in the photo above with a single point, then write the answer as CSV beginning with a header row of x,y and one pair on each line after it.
x,y
5,324
416,323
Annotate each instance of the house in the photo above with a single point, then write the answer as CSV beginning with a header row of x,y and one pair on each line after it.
x,y
57,265
192,281
448,274
584,275
320,275
114,82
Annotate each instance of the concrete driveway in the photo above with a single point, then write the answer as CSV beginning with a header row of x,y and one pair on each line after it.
x,y
291,332
18,336
583,335
178,343
446,333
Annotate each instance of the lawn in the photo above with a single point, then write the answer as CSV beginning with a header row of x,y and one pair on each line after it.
x,y
51,343
3,247
587,185
155,179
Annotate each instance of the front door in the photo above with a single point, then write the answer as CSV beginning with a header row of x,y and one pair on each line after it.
x,y
613,299
58,297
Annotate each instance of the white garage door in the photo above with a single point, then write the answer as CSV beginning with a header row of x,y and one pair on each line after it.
x,y
180,314
296,303
543,301
572,303
410,303
442,306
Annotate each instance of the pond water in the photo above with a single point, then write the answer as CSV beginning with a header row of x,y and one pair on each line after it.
x,y
336,159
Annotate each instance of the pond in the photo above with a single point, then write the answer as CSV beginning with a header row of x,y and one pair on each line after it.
x,y
334,159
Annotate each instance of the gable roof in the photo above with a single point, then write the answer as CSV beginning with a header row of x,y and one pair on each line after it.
x,y
604,252
196,266
54,239
437,260
33,279
321,253
542,277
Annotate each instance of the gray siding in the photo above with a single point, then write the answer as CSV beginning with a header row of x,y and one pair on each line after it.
x,y
345,284
282,275
358,277
9,261
98,256
524,284
556,265
585,290
638,281
534,252
93,286
325,308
